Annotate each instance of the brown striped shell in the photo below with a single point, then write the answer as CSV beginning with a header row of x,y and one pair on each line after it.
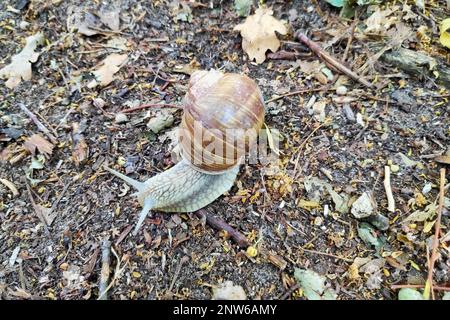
x,y
223,113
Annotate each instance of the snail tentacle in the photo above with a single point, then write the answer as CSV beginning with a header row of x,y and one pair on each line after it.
x,y
148,205
139,186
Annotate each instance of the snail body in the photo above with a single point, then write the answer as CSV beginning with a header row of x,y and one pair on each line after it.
x,y
222,116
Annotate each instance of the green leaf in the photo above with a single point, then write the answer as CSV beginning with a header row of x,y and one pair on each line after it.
x,y
370,236
243,7
337,3
409,294
313,285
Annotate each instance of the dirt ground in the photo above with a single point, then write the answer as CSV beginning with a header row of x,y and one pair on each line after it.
x,y
403,122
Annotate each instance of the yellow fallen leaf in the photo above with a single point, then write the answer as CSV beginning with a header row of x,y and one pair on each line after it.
x,y
258,34
20,66
428,225
427,290
308,204
271,141
353,272
109,66
414,265
445,36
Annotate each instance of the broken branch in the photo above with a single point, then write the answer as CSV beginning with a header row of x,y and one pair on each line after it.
x,y
332,61
104,274
437,229
219,224
38,123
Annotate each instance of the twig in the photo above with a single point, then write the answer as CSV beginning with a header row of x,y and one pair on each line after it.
x,y
327,254
38,123
37,209
104,274
387,187
324,88
350,39
123,235
55,204
116,275
418,286
437,229
289,292
150,105
286,55
219,224
303,144
177,271
331,61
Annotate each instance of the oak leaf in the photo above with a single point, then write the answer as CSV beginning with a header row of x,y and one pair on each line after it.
x,y
105,74
36,141
258,34
20,66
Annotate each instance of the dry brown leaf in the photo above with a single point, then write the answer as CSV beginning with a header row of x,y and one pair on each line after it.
x,y
400,34
379,21
84,22
37,142
20,66
443,159
105,74
258,34
80,151
110,18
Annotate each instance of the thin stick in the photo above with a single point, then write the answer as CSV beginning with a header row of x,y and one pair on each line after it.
x,y
38,123
104,274
350,39
387,187
437,230
289,292
37,210
219,224
418,286
117,273
327,254
324,88
303,144
177,271
331,61
150,105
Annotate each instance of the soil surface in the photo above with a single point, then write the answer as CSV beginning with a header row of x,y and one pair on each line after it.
x,y
345,138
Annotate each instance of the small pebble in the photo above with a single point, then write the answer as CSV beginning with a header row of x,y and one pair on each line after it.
x,y
341,90
23,25
121,118
395,167
349,114
99,102
359,119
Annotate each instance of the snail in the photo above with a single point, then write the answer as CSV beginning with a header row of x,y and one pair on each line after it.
x,y
223,113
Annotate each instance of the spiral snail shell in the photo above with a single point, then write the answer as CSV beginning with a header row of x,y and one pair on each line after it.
x,y
223,113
